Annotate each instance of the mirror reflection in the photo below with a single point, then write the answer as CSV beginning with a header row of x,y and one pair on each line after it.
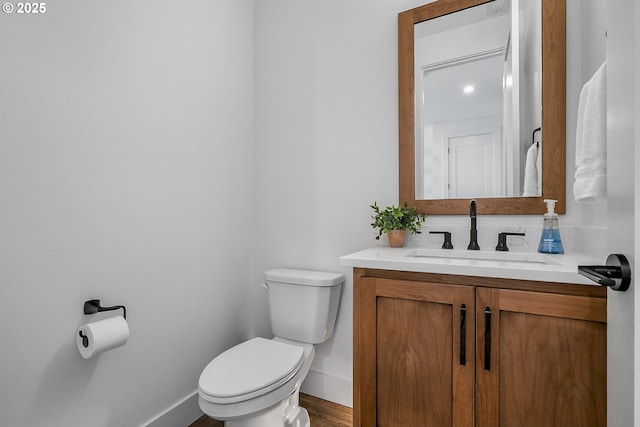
x,y
478,103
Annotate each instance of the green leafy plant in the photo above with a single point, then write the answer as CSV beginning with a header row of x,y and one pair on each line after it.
x,y
396,218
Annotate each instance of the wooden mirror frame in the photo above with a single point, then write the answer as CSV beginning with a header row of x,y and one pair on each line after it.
x,y
553,115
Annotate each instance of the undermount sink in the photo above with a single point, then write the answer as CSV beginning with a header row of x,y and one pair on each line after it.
x,y
488,257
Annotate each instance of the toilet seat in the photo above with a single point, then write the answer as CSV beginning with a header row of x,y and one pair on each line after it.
x,y
250,369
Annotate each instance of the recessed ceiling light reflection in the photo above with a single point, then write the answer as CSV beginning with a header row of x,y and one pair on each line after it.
x,y
468,89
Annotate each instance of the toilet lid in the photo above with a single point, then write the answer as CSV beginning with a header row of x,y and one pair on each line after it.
x,y
250,369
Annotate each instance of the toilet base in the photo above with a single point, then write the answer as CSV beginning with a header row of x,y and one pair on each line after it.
x,y
287,414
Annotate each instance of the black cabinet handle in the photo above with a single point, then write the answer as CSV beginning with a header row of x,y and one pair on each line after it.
x,y
487,339
463,334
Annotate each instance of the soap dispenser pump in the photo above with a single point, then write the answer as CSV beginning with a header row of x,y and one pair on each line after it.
x,y
550,241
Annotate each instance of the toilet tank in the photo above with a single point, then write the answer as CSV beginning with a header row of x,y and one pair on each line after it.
x,y
303,304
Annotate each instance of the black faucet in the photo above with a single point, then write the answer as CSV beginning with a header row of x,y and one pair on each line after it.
x,y
447,239
473,242
502,240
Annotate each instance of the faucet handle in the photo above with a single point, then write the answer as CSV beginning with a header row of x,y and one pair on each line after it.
x,y
447,239
502,240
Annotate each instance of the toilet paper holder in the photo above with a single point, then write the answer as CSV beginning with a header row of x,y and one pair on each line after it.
x,y
93,306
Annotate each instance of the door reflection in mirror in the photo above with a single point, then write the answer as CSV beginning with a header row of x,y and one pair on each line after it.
x,y
478,97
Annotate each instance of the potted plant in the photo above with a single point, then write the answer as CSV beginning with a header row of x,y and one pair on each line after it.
x,y
396,221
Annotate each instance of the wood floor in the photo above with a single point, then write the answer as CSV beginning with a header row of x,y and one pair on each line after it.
x,y
322,413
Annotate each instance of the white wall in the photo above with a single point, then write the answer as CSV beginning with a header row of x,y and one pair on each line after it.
x,y
326,144
125,175
585,54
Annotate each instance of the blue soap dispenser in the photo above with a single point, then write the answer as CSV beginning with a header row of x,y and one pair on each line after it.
x,y
550,241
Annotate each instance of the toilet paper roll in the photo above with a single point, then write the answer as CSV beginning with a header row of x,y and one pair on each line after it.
x,y
97,337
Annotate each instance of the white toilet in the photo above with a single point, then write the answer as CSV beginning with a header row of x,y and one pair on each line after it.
x,y
257,382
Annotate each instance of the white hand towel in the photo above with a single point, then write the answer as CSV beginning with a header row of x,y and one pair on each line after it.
x,y
591,140
539,169
531,172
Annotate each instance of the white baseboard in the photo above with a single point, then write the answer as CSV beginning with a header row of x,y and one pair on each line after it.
x,y
183,413
328,387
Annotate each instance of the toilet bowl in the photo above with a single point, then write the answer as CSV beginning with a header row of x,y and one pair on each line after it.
x,y
257,383
252,378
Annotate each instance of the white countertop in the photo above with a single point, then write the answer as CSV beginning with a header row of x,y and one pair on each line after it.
x,y
508,265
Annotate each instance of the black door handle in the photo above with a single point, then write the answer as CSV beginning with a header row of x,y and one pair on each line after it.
x,y
463,334
487,339
616,273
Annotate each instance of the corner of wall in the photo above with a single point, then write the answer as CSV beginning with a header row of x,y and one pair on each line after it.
x,y
329,387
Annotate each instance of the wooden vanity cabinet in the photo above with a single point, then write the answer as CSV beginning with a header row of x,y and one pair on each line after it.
x,y
445,350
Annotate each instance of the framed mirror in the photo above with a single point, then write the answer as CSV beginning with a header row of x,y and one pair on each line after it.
x,y
446,159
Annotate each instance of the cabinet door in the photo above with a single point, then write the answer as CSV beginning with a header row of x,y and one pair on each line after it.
x,y
414,358
540,359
